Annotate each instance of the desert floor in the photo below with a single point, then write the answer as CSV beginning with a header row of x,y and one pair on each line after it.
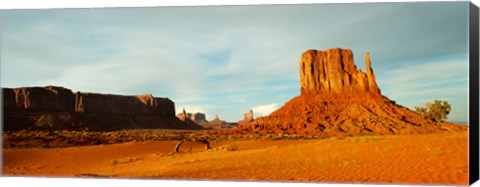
x,y
432,159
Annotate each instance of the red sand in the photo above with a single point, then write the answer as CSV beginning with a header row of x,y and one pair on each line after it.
x,y
425,159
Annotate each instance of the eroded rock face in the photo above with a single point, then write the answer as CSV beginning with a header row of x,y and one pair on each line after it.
x,y
199,117
59,108
49,98
217,123
247,118
333,71
339,99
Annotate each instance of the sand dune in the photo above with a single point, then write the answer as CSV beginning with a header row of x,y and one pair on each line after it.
x,y
426,159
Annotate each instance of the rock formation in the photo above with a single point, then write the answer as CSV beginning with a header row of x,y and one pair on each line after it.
x,y
339,99
333,71
197,119
55,108
217,123
200,119
184,115
247,118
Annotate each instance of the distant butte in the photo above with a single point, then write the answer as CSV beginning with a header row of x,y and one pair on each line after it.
x,y
200,119
55,108
337,98
247,118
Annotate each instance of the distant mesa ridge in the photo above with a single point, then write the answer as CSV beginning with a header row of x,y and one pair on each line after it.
x,y
337,98
53,107
200,119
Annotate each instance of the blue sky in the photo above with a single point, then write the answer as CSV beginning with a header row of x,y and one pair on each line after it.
x,y
226,60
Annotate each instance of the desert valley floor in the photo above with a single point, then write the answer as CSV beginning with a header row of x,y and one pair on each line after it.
x,y
423,158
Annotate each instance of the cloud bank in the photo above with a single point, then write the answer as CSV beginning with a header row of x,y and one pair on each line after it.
x,y
264,110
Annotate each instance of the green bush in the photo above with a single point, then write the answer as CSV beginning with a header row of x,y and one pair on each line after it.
x,y
436,111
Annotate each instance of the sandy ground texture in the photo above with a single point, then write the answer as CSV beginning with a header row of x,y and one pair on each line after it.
x,y
402,159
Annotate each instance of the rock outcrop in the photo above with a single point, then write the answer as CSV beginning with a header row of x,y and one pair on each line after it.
x,y
339,99
197,119
247,118
217,123
200,119
333,71
56,108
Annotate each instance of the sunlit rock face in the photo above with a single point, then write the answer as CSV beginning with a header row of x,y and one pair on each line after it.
x,y
333,71
337,98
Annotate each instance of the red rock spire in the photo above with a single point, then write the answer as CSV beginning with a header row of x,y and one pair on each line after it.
x,y
372,83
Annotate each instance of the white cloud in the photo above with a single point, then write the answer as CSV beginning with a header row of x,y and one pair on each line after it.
x,y
264,110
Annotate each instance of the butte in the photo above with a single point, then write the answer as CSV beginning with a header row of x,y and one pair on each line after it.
x,y
337,98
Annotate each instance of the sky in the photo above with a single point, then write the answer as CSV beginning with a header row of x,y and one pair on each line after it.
x,y
226,60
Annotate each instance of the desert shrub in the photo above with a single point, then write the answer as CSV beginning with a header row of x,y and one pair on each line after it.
x,y
113,162
436,111
231,147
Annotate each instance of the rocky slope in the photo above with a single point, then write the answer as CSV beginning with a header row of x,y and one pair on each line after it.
x,y
55,108
338,98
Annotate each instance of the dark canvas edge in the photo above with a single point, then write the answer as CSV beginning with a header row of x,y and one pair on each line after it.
x,y
473,95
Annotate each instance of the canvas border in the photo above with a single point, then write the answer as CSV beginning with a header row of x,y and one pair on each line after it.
x,y
474,94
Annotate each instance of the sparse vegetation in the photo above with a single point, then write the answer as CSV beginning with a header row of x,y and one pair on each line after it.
x,y
436,153
364,139
436,111
113,162
232,147
68,138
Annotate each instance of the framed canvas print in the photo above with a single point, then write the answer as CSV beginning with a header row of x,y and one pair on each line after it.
x,y
325,93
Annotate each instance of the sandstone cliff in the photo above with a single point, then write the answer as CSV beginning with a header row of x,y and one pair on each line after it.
x,y
339,99
333,71
59,108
